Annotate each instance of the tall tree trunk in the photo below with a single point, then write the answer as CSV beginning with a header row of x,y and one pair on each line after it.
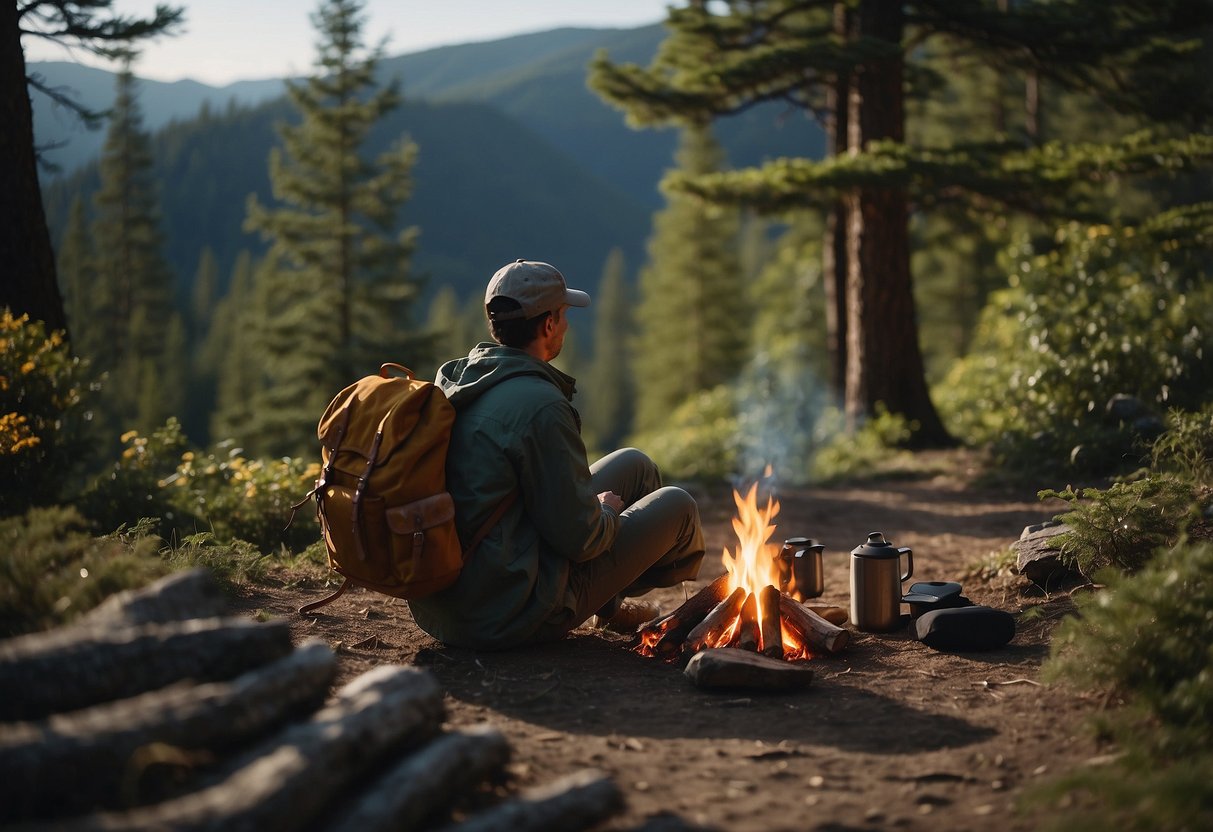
x,y
884,363
25,243
834,249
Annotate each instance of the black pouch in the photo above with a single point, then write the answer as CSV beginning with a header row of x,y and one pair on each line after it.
x,y
965,628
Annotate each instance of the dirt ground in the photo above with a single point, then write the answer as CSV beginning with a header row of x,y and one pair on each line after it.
x,y
890,734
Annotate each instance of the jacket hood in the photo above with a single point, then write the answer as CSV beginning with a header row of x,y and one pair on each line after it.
x,y
466,379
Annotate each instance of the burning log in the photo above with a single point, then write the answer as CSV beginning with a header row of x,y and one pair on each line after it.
x,y
748,633
717,624
817,633
772,634
672,631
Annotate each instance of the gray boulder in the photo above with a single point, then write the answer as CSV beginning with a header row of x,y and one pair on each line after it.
x,y
1037,553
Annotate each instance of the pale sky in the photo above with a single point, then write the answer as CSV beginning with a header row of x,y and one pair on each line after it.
x,y
236,40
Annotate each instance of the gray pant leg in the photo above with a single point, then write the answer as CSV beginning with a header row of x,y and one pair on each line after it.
x,y
660,540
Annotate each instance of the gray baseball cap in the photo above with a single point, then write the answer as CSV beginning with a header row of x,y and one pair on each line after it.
x,y
538,287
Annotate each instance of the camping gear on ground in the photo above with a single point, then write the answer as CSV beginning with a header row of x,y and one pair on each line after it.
x,y
800,568
386,516
965,628
876,579
925,596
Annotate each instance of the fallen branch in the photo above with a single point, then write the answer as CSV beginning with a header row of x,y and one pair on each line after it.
x,y
71,668
427,783
287,781
579,801
85,760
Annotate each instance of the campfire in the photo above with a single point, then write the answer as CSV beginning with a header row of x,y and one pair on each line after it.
x,y
751,606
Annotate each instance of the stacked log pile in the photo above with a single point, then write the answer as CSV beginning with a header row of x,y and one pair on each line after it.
x,y
156,712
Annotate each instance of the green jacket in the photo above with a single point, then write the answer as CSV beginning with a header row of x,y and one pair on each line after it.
x,y
515,428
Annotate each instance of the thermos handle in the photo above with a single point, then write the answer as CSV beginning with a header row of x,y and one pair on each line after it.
x,y
905,550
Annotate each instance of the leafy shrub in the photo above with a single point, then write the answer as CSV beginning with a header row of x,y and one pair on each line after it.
x,y
1186,448
1148,638
1103,310
219,491
1124,525
43,396
52,570
700,441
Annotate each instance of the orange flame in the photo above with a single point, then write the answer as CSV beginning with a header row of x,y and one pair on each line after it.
x,y
756,563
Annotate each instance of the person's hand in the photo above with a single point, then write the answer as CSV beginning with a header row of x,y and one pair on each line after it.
x,y
611,499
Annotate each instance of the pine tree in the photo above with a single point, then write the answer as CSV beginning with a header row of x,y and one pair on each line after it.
x,y
692,317
337,271
609,384
199,361
231,347
851,61
130,306
25,245
75,264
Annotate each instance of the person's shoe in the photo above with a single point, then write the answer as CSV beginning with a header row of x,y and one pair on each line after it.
x,y
627,616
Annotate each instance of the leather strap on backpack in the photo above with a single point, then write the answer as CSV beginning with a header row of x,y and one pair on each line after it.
x,y
481,533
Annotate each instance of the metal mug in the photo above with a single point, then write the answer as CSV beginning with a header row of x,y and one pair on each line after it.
x,y
800,568
876,579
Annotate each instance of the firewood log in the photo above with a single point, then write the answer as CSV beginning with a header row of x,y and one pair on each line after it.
x,y
716,623
579,801
819,635
286,782
690,614
748,633
70,668
768,624
428,783
87,759
191,593
835,615
730,668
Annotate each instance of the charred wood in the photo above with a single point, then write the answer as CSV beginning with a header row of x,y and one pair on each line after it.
x,y
90,759
428,783
690,614
62,670
579,801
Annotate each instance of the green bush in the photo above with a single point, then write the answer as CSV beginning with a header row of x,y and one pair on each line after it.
x,y
1126,524
52,570
873,450
700,441
43,411
220,492
1100,311
1146,639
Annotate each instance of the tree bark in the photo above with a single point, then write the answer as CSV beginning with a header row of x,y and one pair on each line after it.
x,y
728,667
749,633
834,249
30,285
884,362
90,759
579,801
772,633
427,783
49,673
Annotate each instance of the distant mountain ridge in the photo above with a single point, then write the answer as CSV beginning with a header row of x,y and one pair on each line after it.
x,y
517,158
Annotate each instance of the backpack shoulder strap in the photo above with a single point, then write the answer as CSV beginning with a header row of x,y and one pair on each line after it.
x,y
493,520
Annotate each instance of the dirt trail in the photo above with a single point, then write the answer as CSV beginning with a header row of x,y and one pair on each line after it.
x,y
890,734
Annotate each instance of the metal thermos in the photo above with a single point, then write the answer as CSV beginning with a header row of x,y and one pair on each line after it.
x,y
876,579
800,568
